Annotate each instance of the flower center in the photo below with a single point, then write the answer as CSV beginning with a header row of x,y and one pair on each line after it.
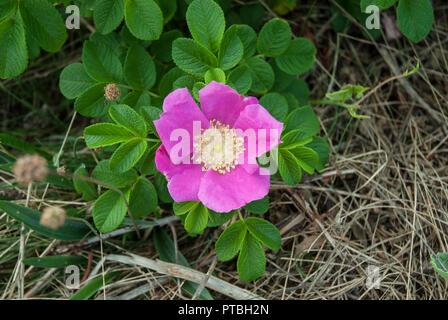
x,y
218,148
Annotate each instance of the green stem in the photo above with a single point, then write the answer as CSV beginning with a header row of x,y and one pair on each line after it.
x,y
240,215
152,94
341,104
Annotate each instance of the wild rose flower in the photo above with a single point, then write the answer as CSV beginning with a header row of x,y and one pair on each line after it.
x,y
217,164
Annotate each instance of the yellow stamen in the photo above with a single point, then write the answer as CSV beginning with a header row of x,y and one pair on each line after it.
x,y
218,148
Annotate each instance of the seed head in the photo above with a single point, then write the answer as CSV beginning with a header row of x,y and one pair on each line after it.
x,y
111,92
61,170
53,217
30,168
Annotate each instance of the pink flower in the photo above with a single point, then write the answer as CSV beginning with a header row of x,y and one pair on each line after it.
x,y
218,163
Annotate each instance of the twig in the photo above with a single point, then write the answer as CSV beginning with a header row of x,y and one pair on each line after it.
x,y
22,248
206,278
40,283
186,273
105,236
141,290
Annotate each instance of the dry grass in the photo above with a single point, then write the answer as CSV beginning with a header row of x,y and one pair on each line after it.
x,y
383,201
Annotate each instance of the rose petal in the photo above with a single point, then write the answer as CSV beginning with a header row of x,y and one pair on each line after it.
x,y
257,120
221,102
230,191
180,112
183,179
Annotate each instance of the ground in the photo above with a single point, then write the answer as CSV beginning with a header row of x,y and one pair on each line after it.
x,y
380,205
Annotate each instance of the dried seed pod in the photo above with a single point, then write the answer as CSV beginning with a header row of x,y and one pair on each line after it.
x,y
111,92
61,170
30,168
53,217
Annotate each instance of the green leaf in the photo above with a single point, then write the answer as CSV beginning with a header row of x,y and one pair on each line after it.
x,y
74,80
415,18
288,84
274,38
382,4
302,118
217,219
147,162
7,8
19,144
127,117
197,87
248,38
166,250
251,262
162,190
13,52
143,199
45,22
262,75
108,15
70,231
168,8
276,104
440,264
192,57
136,99
298,58
150,114
88,290
346,93
91,103
127,155
87,189
206,23
307,158
105,134
197,219
144,19
161,49
186,81
230,241
215,74
55,261
109,211
103,173
289,167
265,232
320,146
181,208
258,206
101,62
240,79
253,14
295,138
139,69
231,50
166,83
